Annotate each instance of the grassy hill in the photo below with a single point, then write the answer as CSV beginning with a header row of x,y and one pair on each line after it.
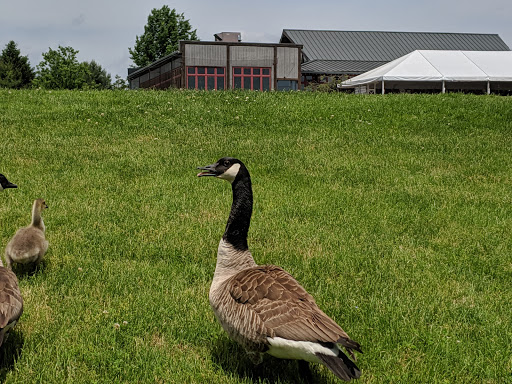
x,y
395,212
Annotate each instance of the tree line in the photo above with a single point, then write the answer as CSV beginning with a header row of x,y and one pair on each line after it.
x,y
60,68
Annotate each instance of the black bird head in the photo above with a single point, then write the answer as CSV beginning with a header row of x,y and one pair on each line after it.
x,y
4,183
227,168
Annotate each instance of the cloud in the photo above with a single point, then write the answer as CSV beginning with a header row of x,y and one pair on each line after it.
x,y
77,21
103,30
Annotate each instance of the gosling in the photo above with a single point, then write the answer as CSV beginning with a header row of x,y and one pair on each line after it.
x,y
29,243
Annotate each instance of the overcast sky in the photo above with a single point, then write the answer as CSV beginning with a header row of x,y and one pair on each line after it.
x,y
102,30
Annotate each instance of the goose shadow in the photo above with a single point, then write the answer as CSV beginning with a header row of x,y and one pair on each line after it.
x,y
10,351
232,358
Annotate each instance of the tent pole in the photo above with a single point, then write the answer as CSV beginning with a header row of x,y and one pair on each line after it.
x,y
444,87
383,90
488,87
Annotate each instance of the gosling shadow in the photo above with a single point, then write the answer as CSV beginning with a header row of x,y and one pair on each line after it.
x,y
10,351
232,358
23,271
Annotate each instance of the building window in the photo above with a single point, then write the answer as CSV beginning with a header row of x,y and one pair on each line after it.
x,y
206,78
256,79
287,85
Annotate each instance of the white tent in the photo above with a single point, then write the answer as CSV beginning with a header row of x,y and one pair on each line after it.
x,y
440,67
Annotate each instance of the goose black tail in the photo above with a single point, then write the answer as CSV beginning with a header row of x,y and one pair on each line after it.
x,y
341,366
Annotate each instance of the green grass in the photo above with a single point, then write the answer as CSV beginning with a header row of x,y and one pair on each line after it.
x,y
395,212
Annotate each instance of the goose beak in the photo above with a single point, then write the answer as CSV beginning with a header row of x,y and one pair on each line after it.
x,y
209,170
4,183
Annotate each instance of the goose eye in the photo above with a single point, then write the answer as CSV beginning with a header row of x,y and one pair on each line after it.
x,y
226,163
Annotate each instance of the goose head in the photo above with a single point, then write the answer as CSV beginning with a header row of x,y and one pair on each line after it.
x,y
227,168
4,183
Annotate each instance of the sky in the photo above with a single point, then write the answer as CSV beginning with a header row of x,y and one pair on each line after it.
x,y
103,30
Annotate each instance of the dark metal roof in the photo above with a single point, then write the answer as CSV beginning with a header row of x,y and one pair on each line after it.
x,y
158,63
339,67
384,46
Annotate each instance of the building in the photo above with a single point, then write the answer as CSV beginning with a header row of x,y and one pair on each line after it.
x,y
226,63
326,54
440,71
233,37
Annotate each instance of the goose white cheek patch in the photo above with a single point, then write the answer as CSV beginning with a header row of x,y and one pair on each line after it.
x,y
231,173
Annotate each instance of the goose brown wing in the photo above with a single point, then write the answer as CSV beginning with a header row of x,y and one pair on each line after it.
x,y
284,306
11,303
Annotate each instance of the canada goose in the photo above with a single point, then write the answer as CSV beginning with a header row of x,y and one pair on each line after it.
x,y
28,244
263,307
11,303
4,183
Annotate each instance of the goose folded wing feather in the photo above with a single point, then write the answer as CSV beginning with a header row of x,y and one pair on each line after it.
x,y
11,303
285,308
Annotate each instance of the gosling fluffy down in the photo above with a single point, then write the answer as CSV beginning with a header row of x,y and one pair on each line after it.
x,y
29,243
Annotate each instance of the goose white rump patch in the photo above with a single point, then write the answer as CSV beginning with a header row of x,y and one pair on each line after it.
x,y
298,350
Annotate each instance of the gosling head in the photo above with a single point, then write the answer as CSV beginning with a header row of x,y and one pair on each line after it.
x,y
40,204
4,183
227,168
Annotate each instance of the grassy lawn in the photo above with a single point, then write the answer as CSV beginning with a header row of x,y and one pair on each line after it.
x,y
395,212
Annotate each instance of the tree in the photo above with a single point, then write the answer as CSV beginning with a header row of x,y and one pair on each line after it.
x,y
15,70
60,69
98,77
327,84
165,28
119,83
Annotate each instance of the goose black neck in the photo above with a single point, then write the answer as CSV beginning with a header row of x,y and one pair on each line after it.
x,y
239,219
